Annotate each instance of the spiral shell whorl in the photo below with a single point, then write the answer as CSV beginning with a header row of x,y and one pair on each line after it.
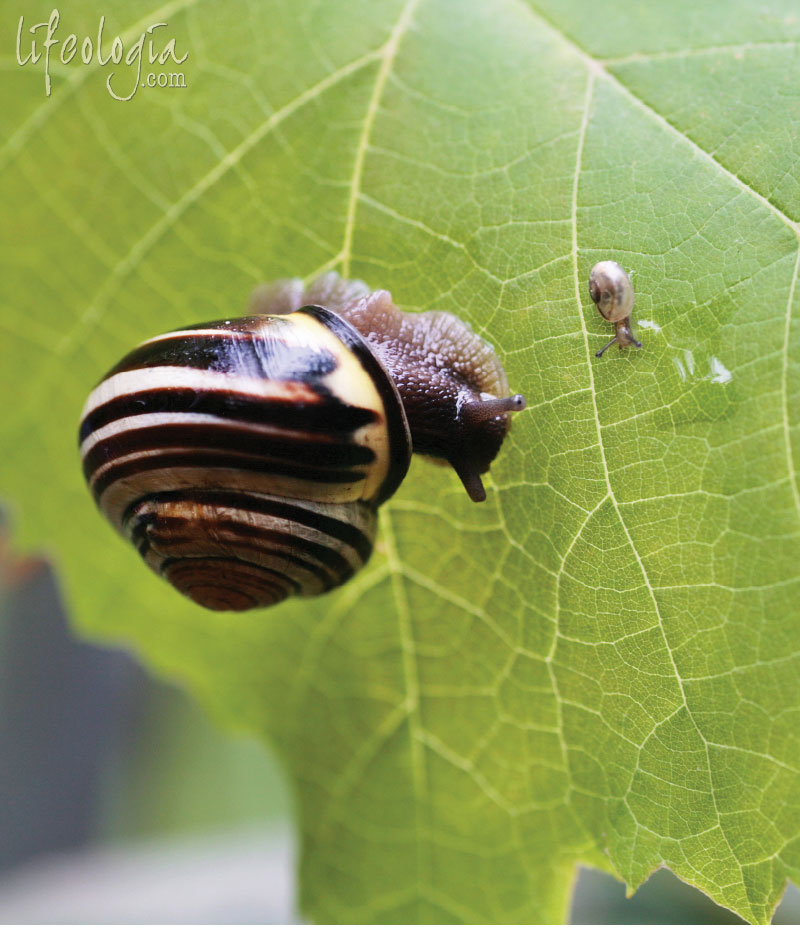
x,y
245,459
238,550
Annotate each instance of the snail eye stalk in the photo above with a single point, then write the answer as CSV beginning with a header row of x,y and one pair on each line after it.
x,y
481,410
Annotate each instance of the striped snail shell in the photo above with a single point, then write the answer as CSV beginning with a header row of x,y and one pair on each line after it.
x,y
246,458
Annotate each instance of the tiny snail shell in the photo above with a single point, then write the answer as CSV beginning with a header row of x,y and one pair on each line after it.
x,y
612,292
246,458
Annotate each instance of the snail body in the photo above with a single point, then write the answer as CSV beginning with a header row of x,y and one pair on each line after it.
x,y
612,292
246,458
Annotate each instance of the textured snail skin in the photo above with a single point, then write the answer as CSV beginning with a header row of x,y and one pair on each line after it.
x,y
246,458
612,292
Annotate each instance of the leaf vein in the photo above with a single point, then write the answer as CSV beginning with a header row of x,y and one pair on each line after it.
x,y
388,55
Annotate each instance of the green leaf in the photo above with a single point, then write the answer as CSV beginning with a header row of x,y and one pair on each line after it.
x,y
599,664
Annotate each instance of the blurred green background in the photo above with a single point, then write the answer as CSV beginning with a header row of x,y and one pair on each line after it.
x,y
120,801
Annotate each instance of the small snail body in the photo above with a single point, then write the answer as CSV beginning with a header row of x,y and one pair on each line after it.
x,y
612,292
246,458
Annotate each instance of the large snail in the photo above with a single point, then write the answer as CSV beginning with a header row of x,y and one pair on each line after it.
x,y
246,458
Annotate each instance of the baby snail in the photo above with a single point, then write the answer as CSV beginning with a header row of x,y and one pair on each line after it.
x,y
612,292
246,458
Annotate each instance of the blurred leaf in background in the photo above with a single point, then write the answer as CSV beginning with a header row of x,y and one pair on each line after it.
x,y
600,664
113,785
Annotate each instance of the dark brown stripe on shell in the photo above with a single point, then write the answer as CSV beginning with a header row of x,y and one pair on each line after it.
x,y
226,584
297,569
335,567
247,355
223,437
327,416
171,562
199,460
343,531
396,424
